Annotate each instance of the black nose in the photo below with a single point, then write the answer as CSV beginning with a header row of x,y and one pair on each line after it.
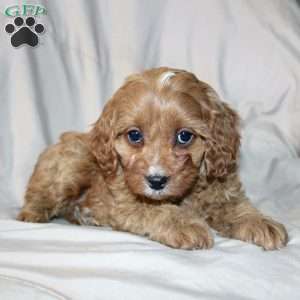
x,y
157,182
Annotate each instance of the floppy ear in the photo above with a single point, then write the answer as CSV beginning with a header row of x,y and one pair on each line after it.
x,y
101,141
223,140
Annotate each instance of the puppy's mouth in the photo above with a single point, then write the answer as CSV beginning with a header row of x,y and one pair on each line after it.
x,y
154,194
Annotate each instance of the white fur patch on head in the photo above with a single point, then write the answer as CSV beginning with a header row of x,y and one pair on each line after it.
x,y
165,77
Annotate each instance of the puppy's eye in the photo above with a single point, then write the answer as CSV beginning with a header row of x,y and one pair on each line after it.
x,y
184,137
135,136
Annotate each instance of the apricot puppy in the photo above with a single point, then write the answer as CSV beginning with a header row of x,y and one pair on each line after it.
x,y
161,161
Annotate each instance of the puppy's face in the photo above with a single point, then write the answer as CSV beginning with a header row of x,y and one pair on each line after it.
x,y
164,128
158,141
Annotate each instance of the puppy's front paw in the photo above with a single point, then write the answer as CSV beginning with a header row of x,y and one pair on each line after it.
x,y
261,231
185,235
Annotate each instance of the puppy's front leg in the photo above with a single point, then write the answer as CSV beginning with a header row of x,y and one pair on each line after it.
x,y
232,215
167,224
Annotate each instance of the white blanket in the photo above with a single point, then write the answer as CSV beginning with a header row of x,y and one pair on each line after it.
x,y
247,50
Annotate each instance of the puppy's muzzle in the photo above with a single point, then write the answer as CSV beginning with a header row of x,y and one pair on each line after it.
x,y
157,182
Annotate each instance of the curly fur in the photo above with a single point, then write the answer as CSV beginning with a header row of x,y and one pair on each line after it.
x,y
98,178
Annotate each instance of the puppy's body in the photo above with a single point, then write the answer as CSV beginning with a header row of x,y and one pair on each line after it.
x,y
63,172
161,161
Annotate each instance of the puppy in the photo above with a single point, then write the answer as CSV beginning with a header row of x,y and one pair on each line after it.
x,y
161,161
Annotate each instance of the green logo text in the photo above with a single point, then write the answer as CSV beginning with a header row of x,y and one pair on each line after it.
x,y
25,10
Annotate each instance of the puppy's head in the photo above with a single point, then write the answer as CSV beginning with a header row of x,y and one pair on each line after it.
x,y
165,128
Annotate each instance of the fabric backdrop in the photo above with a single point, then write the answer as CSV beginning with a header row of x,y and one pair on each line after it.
x,y
247,50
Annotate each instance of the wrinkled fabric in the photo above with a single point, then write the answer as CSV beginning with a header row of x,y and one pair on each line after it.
x,y
247,50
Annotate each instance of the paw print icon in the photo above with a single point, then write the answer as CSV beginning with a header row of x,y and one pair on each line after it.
x,y
24,31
